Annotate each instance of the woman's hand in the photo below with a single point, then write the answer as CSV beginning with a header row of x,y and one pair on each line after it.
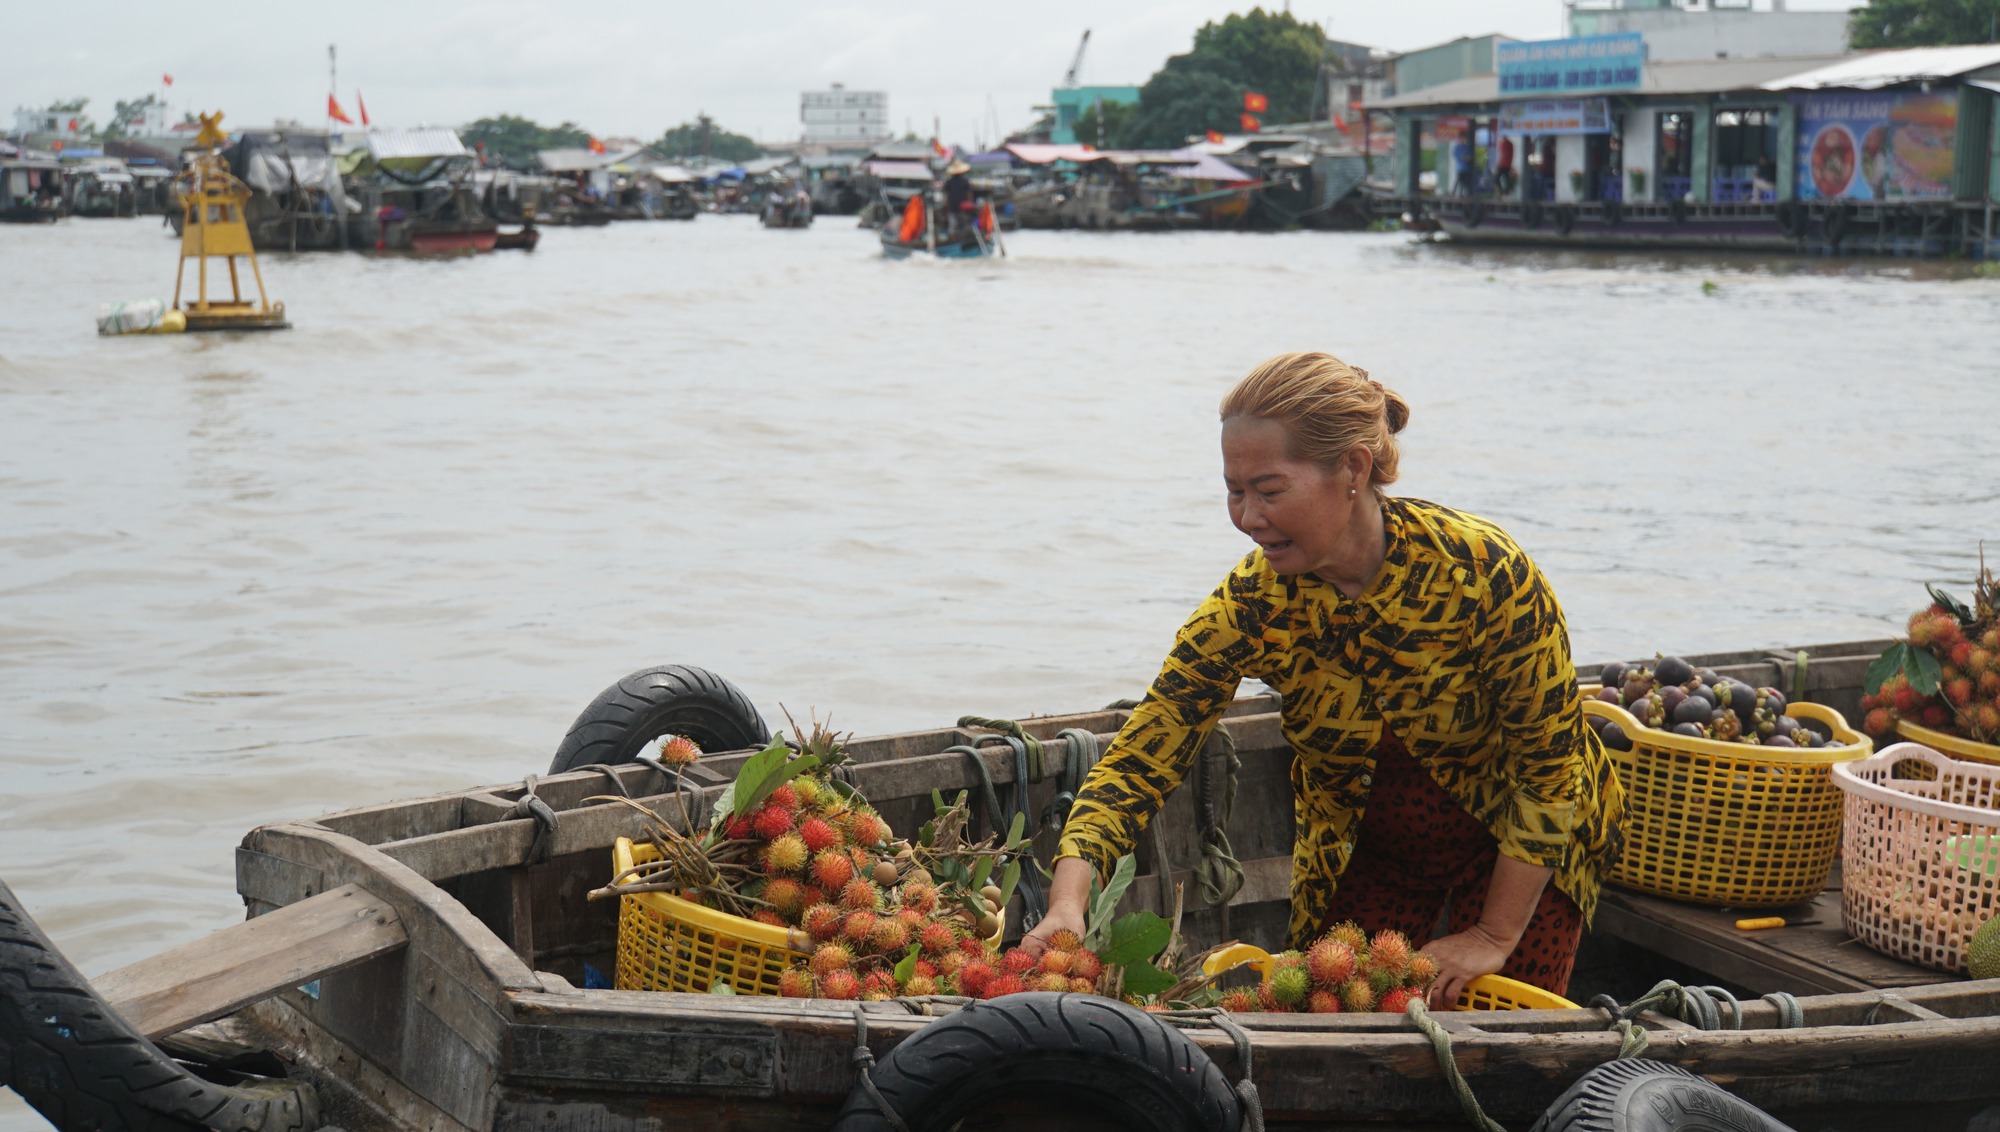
x,y
1462,958
1069,891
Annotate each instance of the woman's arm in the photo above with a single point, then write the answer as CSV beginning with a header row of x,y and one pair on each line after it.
x,y
1511,896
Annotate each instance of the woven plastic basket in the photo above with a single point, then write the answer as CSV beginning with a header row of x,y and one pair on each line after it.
x,y
1729,823
1487,992
1952,745
1920,867
669,944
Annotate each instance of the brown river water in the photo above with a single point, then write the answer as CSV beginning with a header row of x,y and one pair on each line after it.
x,y
396,549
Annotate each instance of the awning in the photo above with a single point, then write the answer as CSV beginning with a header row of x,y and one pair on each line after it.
x,y
1208,168
1044,154
424,142
898,170
1878,69
672,175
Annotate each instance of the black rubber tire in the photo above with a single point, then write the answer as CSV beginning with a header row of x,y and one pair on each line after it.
x,y
85,1069
676,699
1791,219
1531,213
1565,215
1475,213
1078,1053
1677,210
1834,225
1614,212
1650,1096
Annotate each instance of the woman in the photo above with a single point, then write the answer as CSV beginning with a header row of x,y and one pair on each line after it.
x,y
1442,770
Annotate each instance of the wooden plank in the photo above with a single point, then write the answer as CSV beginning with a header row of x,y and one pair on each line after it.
x,y
224,972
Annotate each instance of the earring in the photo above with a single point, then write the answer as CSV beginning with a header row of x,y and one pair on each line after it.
x,y
1351,493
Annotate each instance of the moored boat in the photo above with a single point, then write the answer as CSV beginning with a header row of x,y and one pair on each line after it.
x,y
432,963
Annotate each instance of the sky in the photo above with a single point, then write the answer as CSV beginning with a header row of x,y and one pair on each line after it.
x,y
629,69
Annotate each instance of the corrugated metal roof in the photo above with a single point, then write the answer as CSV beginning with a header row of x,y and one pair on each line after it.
x,y
1878,69
424,141
1688,76
898,170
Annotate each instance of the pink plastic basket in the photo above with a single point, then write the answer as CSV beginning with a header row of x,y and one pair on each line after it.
x,y
1920,859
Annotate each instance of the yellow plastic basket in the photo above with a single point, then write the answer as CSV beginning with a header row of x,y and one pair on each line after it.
x,y
1487,992
1951,745
1730,824
669,944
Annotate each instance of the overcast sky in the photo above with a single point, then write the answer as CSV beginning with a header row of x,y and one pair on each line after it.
x,y
635,69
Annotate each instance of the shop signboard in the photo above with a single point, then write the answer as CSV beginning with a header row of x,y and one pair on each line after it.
x,y
1556,116
1863,146
1571,66
1453,127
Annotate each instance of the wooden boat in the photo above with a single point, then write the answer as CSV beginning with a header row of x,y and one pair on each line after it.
x,y
523,239
428,964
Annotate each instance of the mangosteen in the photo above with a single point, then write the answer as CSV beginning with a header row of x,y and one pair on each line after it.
x,y
1610,695
1779,741
1691,730
1707,695
1672,696
1740,698
1785,724
1673,670
1595,723
1774,700
1693,710
1615,737
1707,676
1638,682
1613,675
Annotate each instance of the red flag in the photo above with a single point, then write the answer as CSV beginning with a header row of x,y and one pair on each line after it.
x,y
334,111
167,79
72,125
1215,137
1250,124
596,146
1255,103
942,150
361,106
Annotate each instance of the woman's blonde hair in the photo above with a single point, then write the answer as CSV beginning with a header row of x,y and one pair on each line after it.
x,y
1326,406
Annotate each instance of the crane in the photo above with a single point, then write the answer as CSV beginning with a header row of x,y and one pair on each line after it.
x,y
1069,80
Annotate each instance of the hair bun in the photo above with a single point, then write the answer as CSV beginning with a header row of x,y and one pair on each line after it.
x,y
1395,410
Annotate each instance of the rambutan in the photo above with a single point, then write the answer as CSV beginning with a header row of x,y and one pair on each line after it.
x,y
1080,985
1048,981
951,962
858,928
1935,715
1056,962
1961,655
864,828
786,896
784,797
1349,933
840,985
1289,986
1390,950
1423,971
858,895
1990,640
937,938
1959,691
1001,985
919,896
807,789
881,981
1063,939
771,822
1084,963
1330,962
796,982
1323,1002
820,834
1396,1001
924,967
738,828
1356,997
1989,683
1239,1001
890,937
1906,700
830,957
821,921
1945,633
1985,719
974,946
1381,980
812,894
921,984
786,854
1878,723
679,751
1264,1000
1018,961
913,920
831,869
974,977
1922,629
767,916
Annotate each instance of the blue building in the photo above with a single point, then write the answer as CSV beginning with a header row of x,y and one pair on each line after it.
x,y
1071,102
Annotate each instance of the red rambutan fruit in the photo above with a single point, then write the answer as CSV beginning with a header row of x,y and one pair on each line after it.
x,y
1423,971
1063,939
1878,723
1390,951
785,854
858,895
822,921
864,828
951,962
1084,963
1935,715
767,916
919,896
1396,1001
1330,962
1356,997
890,937
830,957
820,834
1001,985
1050,982
679,751
1906,700
937,938
840,985
786,897
880,981
1239,1001
796,982
1350,933
924,967
1323,1002
921,984
1961,655
1056,962
831,869
858,928
738,828
771,822
974,976
1958,691
972,945
784,797
1080,985
1018,961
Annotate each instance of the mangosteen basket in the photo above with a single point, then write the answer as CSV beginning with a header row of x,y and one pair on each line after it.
x,y
1734,824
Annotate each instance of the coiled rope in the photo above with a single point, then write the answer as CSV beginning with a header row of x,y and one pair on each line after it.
x,y
864,1066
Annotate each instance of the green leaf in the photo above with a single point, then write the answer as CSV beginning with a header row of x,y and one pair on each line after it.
x,y
907,966
937,800
1014,830
1104,902
778,777
1882,668
721,986
1923,670
1142,978
950,871
749,777
1135,938
1952,605
1008,880
979,872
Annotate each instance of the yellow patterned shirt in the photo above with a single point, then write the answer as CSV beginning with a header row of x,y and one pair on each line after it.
x,y
1458,646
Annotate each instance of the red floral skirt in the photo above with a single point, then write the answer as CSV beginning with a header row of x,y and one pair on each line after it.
x,y
1420,858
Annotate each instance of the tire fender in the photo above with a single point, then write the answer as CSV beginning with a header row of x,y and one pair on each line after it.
x,y
1531,214
1565,219
1677,210
1475,214
676,699
1614,212
1074,1052
1650,1096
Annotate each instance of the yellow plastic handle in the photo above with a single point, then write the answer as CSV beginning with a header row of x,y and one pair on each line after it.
x,y
1760,923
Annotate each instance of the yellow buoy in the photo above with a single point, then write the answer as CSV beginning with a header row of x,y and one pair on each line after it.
x,y
212,228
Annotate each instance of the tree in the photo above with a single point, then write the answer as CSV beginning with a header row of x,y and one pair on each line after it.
x,y
1925,23
1272,53
513,140
1103,130
73,108
126,115
692,141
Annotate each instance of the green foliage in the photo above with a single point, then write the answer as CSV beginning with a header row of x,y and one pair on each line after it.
x,y
690,140
1272,53
760,774
1924,23
1103,902
1133,942
1104,130
515,141
1918,665
126,114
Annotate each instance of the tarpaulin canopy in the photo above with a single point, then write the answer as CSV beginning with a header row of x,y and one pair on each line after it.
x,y
1878,69
424,143
898,170
275,161
1044,154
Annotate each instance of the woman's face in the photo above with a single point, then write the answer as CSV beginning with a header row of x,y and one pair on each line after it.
x,y
1295,509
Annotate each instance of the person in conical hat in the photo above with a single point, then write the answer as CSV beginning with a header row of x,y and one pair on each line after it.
x,y
958,203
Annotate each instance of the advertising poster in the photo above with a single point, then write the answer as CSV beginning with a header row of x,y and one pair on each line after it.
x,y
1556,116
1855,146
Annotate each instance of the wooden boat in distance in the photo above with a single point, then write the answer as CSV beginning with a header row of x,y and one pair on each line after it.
x,y
523,239
427,964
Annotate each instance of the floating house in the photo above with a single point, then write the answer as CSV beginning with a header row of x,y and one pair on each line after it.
x,y
1589,141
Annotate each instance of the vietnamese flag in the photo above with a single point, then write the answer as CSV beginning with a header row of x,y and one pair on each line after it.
x,y
167,79
1215,137
334,111
596,146
1250,124
1255,103
361,105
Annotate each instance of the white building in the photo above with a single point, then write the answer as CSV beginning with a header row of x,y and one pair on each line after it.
x,y
1713,29
844,117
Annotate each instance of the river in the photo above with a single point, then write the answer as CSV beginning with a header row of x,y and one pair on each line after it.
x,y
396,549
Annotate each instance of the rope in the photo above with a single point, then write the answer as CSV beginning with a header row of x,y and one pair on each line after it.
x,y
1441,1043
617,783
864,1063
698,817
1033,902
1219,874
1791,1016
1246,1089
1082,755
1014,730
531,805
